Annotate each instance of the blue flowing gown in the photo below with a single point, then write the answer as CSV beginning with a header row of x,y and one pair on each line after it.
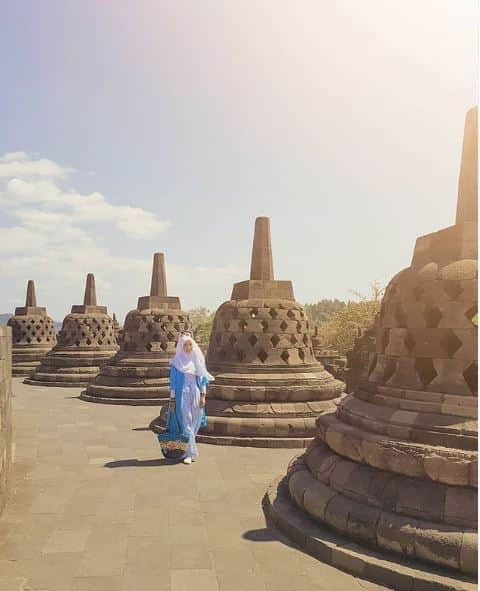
x,y
190,416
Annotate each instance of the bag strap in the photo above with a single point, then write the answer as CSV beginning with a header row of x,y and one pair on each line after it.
x,y
173,416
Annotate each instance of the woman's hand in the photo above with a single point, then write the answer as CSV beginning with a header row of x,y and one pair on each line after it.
x,y
202,400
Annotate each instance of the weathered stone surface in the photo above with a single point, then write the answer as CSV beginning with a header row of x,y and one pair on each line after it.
x,y
139,372
33,334
334,548
395,466
268,388
5,411
85,343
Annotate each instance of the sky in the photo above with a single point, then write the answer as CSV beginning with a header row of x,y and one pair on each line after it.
x,y
131,127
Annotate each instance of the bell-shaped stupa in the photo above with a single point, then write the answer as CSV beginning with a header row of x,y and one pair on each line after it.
x,y
85,343
268,388
395,468
33,334
139,373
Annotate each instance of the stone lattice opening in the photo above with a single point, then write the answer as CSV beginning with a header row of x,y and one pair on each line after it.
x,y
432,316
275,340
389,369
471,377
410,342
262,355
450,343
425,370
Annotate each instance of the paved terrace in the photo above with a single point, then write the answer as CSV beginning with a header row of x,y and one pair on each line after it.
x,y
94,508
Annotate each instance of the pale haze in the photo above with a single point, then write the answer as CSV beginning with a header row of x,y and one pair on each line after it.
x,y
135,127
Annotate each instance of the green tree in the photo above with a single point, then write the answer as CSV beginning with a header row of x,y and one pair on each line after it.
x,y
323,310
343,327
202,321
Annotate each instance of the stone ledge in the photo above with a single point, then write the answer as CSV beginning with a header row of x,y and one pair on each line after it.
x,y
272,442
78,384
348,556
127,401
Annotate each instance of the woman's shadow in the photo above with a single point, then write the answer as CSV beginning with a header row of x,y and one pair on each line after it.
x,y
135,463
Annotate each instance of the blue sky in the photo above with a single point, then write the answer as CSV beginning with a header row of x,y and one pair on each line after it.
x,y
135,127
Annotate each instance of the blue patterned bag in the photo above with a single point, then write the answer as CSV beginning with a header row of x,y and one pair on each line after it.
x,y
172,442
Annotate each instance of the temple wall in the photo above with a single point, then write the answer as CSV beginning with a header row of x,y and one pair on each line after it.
x,y
5,410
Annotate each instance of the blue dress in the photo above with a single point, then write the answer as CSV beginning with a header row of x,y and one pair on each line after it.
x,y
190,415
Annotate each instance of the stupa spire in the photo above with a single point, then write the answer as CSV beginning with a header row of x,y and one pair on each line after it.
x,y
159,276
31,299
90,297
262,260
467,202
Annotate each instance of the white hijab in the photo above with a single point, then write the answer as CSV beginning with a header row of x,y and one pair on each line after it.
x,y
193,362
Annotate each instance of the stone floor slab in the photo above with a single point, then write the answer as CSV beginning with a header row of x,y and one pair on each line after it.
x,y
94,507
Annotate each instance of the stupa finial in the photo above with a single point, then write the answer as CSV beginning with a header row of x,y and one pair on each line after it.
x,y
159,277
262,261
90,297
31,299
467,202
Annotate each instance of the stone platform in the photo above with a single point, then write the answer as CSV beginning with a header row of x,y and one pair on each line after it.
x,y
94,508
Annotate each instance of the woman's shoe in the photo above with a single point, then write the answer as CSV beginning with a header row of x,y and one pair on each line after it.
x,y
187,460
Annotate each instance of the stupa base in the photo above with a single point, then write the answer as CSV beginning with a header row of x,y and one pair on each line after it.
x,y
24,369
125,396
272,442
341,552
59,380
25,361
245,441
130,383
263,424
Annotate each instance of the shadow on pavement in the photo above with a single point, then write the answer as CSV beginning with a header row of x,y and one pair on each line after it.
x,y
134,463
265,534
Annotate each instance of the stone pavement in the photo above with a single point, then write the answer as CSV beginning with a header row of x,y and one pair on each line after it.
x,y
94,508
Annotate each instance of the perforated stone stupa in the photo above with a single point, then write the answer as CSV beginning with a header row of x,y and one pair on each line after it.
x,y
268,385
33,334
85,343
396,466
139,373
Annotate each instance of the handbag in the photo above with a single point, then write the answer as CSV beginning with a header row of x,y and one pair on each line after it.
x,y
172,441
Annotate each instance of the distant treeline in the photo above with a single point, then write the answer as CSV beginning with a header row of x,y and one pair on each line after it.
x,y
323,310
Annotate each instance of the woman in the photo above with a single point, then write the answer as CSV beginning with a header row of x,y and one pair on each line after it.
x,y
188,387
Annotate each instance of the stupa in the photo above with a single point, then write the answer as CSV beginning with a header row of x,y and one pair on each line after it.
x,y
395,468
33,334
139,373
85,343
268,385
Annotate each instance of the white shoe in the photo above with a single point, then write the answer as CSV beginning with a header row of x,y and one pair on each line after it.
x,y
187,460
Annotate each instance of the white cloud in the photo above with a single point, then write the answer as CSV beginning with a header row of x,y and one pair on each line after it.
x,y
54,239
19,164
36,183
